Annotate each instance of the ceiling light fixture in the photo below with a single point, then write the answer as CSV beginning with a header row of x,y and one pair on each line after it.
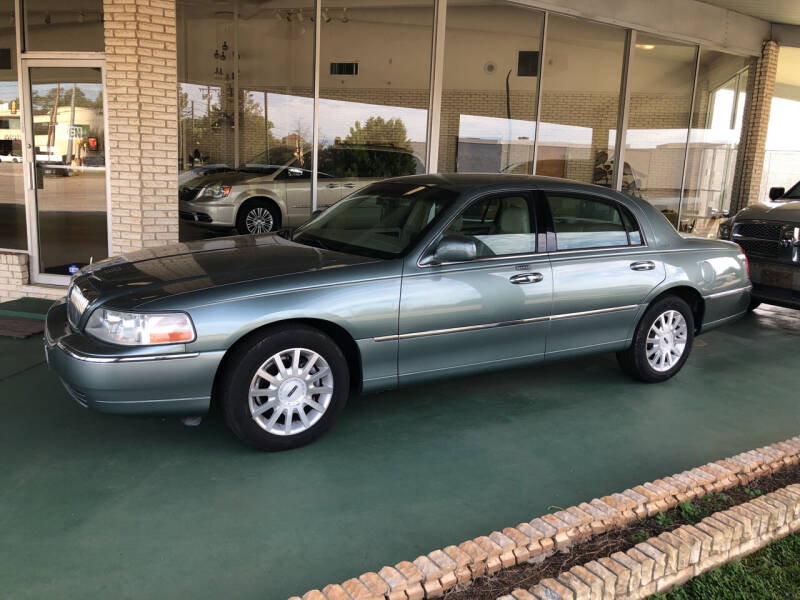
x,y
645,46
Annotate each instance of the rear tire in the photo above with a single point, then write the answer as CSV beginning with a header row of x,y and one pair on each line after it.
x,y
284,388
662,341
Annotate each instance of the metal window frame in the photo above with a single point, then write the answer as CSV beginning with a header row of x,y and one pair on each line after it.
x,y
26,61
622,110
697,51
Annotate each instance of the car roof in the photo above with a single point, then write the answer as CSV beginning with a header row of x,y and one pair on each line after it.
x,y
461,182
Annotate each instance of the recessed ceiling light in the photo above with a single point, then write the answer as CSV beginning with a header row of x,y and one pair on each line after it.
x,y
645,46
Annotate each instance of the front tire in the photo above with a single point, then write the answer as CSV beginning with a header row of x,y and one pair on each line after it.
x,y
285,388
257,216
661,343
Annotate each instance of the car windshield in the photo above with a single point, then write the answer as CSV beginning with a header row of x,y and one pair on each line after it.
x,y
382,220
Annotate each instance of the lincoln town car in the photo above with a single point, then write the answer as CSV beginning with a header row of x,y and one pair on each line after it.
x,y
405,281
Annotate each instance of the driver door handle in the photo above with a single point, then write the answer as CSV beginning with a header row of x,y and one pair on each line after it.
x,y
526,278
643,265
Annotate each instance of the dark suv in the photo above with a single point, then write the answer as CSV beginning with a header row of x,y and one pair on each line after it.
x,y
769,234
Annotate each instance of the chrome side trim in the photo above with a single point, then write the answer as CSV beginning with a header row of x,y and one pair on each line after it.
x,y
121,359
432,332
599,311
746,288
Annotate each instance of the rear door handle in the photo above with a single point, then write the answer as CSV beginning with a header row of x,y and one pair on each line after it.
x,y
643,265
526,278
349,185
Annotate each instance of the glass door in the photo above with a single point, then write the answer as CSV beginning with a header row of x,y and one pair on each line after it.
x,y
66,162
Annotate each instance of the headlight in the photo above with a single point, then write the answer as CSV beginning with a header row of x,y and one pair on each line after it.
x,y
132,329
215,191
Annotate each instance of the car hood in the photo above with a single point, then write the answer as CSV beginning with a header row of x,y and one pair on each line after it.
x,y
772,211
152,274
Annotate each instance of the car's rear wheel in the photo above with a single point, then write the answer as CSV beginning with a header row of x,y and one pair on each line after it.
x,y
257,216
285,388
662,341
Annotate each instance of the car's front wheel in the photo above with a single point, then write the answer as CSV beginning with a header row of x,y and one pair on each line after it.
x,y
257,216
284,388
661,343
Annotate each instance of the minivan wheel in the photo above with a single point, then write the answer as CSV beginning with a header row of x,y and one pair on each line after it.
x,y
257,216
285,388
661,343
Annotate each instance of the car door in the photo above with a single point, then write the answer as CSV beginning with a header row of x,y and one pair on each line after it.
x,y
488,312
602,272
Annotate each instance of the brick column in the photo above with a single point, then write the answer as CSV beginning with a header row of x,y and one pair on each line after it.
x,y
753,142
142,138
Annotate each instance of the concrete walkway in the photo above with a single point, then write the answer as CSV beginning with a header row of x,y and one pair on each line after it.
x,y
101,506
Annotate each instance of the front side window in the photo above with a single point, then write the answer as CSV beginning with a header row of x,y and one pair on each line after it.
x,y
582,222
500,225
382,220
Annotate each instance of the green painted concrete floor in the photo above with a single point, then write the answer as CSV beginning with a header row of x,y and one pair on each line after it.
x,y
96,506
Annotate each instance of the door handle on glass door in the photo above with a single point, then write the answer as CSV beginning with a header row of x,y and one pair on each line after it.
x,y
644,265
526,278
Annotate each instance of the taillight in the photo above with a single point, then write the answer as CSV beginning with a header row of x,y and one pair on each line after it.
x,y
746,261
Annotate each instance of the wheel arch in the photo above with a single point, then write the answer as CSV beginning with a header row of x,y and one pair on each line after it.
x,y
691,296
265,199
340,336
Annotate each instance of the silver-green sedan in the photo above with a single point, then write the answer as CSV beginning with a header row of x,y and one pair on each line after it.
x,y
405,281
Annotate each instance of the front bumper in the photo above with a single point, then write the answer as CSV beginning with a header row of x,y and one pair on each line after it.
x,y
776,283
174,382
208,214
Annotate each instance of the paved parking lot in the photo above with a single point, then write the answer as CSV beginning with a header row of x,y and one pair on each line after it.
x,y
101,506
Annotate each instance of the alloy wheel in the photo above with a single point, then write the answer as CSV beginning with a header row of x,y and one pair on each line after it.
x,y
666,341
259,220
291,391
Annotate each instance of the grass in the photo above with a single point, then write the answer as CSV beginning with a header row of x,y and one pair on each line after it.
x,y
772,573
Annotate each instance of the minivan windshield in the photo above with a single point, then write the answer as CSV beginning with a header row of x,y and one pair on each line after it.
x,y
382,220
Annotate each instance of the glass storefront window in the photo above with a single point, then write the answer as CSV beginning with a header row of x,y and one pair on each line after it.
x,y
713,140
660,96
69,152
245,116
491,72
76,26
580,100
374,93
13,234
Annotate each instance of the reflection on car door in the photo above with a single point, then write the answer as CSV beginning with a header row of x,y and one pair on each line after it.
x,y
602,273
473,315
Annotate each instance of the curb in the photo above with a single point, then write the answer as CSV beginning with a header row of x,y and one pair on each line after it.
x,y
430,576
672,558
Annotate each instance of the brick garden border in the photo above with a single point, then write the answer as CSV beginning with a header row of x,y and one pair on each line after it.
x,y
431,575
674,557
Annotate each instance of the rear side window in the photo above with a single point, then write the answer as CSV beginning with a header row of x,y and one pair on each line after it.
x,y
583,222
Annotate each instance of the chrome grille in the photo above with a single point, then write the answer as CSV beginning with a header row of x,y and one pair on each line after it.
x,y
77,304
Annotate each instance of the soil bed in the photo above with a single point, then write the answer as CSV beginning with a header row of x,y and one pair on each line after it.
x,y
622,538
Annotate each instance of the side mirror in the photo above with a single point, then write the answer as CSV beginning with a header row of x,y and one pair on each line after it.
x,y
295,172
452,248
776,192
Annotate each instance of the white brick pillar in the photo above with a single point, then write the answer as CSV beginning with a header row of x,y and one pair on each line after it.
x,y
753,142
142,140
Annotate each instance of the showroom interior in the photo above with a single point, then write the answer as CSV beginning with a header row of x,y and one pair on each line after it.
x,y
114,112
422,87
